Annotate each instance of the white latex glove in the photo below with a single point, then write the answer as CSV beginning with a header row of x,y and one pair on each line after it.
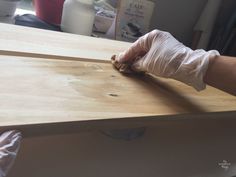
x,y
9,146
160,54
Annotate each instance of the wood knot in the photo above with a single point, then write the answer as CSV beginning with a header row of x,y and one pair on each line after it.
x,y
113,95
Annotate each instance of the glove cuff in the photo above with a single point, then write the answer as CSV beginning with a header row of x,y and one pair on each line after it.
x,y
193,68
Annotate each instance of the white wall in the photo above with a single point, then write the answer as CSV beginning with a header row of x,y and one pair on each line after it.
x,y
174,148
177,17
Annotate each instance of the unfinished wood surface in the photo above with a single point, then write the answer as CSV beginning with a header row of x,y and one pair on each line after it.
x,y
32,42
39,91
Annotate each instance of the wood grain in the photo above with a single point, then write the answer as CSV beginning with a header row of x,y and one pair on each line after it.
x,y
32,42
43,91
57,81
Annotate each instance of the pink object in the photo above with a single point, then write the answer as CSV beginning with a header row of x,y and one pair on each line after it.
x,y
49,10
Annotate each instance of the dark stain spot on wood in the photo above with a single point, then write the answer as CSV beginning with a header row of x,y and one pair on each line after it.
x,y
113,95
113,76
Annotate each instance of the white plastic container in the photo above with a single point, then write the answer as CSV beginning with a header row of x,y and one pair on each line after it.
x,y
8,7
78,17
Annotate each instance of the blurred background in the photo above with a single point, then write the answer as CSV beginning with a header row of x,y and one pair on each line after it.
x,y
207,24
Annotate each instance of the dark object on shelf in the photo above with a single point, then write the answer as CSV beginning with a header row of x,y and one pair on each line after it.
x,y
33,21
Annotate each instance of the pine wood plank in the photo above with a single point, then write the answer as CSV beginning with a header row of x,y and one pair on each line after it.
x,y
32,42
50,86
45,91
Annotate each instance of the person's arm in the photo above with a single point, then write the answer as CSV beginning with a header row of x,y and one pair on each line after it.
x,y
221,74
160,54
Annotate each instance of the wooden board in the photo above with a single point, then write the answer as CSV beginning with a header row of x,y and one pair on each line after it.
x,y
32,42
50,85
42,91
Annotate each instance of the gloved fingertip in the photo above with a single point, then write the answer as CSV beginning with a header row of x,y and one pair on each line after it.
x,y
11,140
123,68
11,134
115,63
121,58
113,58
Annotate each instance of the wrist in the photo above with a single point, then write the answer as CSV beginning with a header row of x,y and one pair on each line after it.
x,y
212,61
194,67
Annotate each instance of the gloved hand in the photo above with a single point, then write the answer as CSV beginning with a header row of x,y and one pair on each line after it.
x,y
9,146
160,54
